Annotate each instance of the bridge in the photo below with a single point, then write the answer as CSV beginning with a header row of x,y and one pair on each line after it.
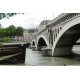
x,y
59,36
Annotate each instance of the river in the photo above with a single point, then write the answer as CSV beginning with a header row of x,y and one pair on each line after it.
x,y
36,58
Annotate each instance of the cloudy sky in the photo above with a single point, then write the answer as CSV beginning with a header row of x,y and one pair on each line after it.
x,y
27,20
19,20
35,11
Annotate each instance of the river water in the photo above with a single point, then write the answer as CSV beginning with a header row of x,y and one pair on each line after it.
x,y
36,58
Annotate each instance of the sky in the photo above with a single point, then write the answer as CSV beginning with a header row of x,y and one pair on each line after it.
x,y
35,11
27,20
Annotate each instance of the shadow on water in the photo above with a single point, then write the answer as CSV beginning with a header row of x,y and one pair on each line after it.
x,y
73,59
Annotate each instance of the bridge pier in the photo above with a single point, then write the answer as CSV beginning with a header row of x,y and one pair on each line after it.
x,y
29,46
47,51
65,51
39,48
34,48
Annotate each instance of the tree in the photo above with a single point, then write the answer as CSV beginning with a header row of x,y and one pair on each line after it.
x,y
19,31
11,31
2,32
7,15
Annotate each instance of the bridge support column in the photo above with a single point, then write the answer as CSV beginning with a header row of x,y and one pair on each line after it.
x,y
34,48
65,51
47,51
39,48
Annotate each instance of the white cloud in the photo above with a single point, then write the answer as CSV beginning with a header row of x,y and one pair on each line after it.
x,y
35,11
27,20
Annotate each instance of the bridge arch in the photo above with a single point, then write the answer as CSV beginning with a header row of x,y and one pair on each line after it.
x,y
33,43
66,38
42,42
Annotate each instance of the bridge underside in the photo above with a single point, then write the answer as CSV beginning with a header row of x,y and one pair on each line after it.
x,y
41,44
66,41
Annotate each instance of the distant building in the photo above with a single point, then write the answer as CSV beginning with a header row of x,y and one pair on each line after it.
x,y
25,35
23,38
32,34
43,24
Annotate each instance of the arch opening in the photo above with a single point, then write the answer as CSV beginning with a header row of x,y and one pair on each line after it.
x,y
33,43
67,40
41,43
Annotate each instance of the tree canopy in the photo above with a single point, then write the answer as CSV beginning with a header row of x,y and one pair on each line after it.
x,y
19,31
11,31
7,15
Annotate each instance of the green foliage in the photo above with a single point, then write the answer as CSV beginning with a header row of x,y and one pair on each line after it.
x,y
2,32
7,15
11,31
7,39
7,33
19,31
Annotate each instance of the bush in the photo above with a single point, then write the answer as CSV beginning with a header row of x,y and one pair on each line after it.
x,y
7,39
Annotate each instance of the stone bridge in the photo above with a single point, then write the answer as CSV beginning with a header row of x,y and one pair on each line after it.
x,y
59,35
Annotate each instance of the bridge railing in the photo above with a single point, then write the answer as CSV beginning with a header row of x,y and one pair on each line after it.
x,y
64,18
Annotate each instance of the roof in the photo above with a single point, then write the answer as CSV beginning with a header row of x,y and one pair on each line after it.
x,y
45,22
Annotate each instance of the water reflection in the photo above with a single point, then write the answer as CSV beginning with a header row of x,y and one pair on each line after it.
x,y
37,58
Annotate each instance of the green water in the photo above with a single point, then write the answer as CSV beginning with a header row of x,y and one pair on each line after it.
x,y
36,58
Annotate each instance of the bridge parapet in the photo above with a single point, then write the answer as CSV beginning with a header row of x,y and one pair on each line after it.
x,y
60,23
62,18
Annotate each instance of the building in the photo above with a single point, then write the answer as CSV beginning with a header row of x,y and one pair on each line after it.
x,y
43,24
23,38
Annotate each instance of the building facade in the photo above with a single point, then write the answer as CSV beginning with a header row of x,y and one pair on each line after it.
x,y
23,38
43,24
